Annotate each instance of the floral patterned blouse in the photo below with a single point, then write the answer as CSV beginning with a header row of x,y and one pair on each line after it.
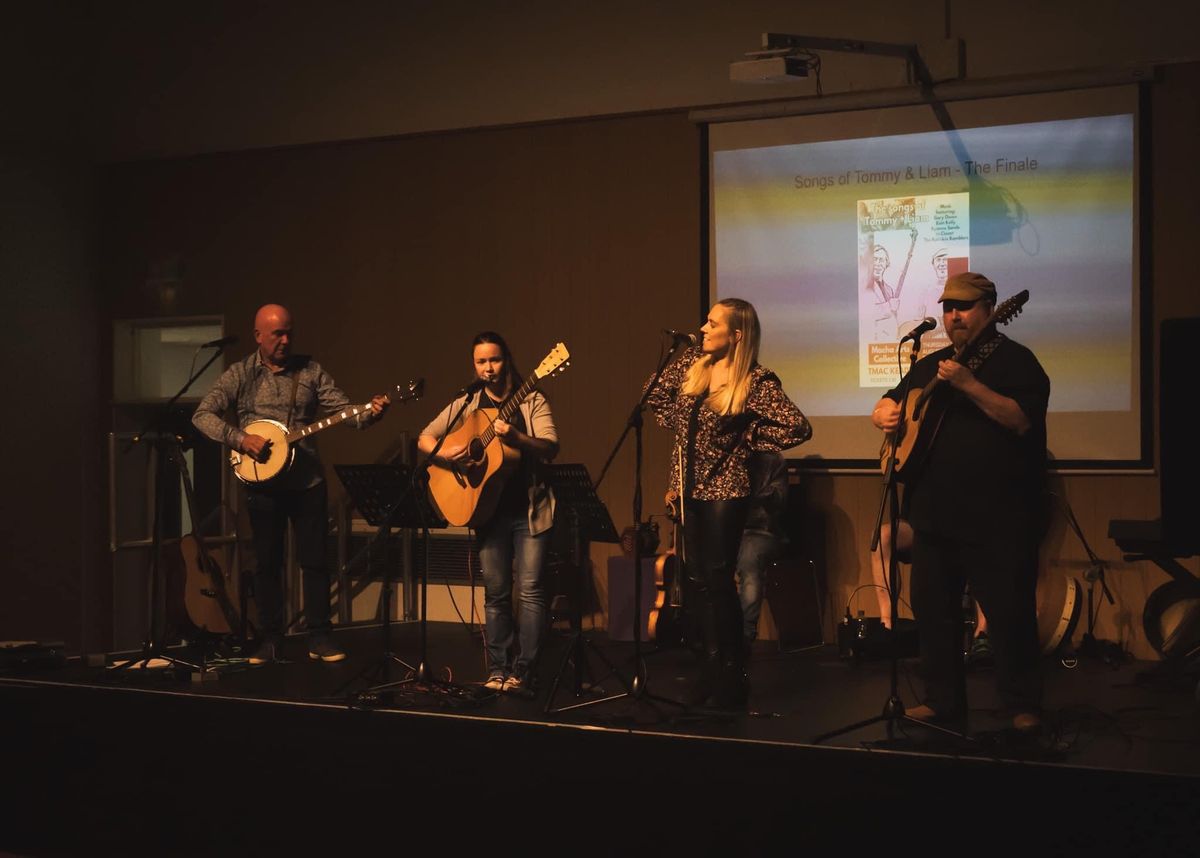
x,y
715,447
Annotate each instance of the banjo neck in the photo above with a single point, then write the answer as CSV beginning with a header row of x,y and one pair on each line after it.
x,y
279,451
347,413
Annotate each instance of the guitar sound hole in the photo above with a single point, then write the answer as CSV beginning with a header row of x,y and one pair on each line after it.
x,y
475,450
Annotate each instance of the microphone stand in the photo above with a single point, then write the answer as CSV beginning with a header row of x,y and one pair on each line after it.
x,y
893,709
421,474
1107,651
156,432
637,687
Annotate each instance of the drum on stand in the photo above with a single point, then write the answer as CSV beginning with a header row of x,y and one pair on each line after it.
x,y
1060,601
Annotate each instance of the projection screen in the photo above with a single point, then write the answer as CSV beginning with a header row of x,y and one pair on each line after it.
x,y
841,228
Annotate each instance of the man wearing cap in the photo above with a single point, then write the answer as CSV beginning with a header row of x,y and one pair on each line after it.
x,y
977,504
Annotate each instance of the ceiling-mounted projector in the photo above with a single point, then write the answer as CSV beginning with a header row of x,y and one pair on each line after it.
x,y
769,69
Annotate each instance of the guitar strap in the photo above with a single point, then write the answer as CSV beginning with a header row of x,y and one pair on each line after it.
x,y
292,404
984,351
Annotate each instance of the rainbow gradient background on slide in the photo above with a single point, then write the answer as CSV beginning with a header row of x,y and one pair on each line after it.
x,y
1052,210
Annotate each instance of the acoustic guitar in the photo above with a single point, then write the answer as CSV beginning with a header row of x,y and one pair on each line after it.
x,y
467,493
279,452
199,602
910,444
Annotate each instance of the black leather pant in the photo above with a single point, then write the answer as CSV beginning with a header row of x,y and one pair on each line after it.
x,y
712,533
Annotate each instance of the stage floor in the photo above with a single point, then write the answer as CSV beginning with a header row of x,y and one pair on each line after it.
x,y
1130,717
1121,739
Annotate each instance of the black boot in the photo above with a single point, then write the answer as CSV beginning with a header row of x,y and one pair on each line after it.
x,y
706,685
732,688
711,654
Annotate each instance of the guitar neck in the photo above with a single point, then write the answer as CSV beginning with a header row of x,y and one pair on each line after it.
x,y
347,413
509,408
961,354
933,383
189,491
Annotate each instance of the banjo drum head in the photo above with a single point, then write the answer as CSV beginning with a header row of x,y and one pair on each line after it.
x,y
250,470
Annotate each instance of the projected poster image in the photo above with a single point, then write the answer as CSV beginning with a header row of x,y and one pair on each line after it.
x,y
907,247
844,245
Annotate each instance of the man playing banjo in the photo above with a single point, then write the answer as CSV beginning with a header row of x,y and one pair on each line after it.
x,y
292,390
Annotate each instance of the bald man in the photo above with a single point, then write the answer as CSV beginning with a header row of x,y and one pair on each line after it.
x,y
294,390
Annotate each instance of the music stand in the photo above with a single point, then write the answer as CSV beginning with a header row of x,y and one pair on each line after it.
x,y
385,496
588,521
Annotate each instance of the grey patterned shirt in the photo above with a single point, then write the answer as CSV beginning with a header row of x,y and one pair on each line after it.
x,y
256,393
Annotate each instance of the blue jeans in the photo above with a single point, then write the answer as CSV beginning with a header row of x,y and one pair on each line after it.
x,y
502,539
756,552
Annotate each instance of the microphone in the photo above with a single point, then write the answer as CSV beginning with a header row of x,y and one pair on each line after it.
x,y
925,327
471,389
682,337
221,343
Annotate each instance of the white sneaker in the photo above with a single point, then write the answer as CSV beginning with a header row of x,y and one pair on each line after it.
x,y
495,682
516,685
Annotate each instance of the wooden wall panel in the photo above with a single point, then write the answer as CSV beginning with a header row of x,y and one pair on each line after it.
x,y
393,253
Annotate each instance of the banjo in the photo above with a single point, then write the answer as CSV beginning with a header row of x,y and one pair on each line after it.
x,y
279,453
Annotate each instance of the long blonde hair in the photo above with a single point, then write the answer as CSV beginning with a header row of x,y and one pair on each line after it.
x,y
743,355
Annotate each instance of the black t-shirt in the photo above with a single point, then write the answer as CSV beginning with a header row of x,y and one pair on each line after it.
x,y
514,497
982,482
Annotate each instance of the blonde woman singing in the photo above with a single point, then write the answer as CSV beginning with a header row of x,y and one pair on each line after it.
x,y
722,406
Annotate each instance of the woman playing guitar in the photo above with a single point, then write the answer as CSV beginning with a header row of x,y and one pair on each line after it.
x,y
524,508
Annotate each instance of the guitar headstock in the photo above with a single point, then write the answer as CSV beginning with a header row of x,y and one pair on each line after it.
x,y
405,392
1010,309
557,361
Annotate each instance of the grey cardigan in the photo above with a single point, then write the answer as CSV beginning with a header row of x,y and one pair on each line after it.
x,y
539,423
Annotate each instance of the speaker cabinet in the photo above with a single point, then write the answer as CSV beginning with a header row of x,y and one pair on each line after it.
x,y
1179,464
792,594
